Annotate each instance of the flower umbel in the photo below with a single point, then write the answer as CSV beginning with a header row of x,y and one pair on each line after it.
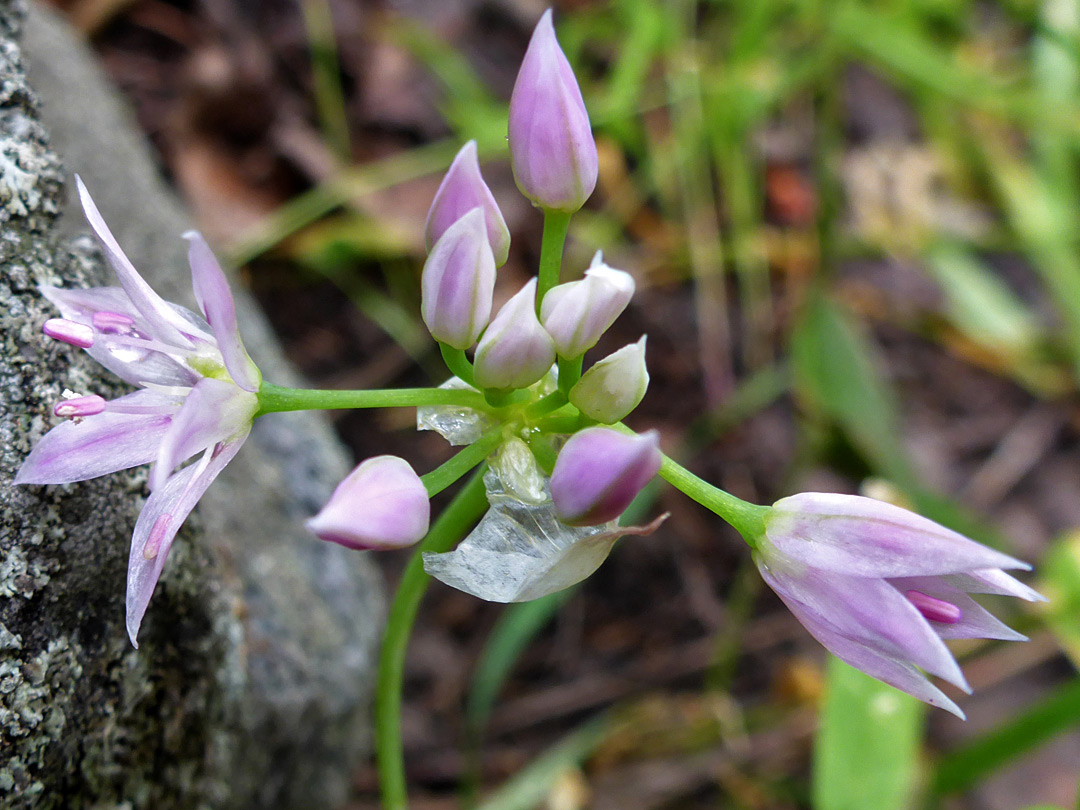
x,y
198,397
882,588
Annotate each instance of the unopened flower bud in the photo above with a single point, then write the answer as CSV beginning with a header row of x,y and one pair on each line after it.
x,y
600,471
515,351
458,282
614,386
463,189
73,332
552,150
380,505
577,313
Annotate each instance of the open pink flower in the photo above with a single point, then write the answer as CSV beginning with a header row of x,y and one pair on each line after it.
x,y
198,397
882,588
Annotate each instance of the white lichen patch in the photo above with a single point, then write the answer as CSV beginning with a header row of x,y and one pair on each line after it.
x,y
19,576
19,191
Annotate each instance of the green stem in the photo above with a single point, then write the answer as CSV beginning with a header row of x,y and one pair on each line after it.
x,y
462,512
746,518
444,475
569,373
556,224
273,398
458,363
545,405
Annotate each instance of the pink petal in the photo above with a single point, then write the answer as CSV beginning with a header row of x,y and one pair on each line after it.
x,y
975,621
869,612
167,508
154,309
126,363
215,411
994,581
98,445
870,538
216,301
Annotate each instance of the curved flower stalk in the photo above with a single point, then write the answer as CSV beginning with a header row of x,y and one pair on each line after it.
x,y
198,397
882,588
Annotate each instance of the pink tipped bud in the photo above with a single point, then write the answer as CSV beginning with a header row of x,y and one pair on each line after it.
x,y
380,505
458,282
613,387
77,334
576,314
79,406
599,472
552,150
515,351
462,190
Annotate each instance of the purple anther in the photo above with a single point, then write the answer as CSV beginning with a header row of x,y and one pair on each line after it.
x,y
157,534
936,610
79,406
77,334
112,322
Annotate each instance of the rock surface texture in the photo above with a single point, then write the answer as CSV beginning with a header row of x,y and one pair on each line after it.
x,y
250,685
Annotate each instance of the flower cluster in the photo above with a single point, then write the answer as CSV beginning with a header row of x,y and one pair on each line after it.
x,y
880,587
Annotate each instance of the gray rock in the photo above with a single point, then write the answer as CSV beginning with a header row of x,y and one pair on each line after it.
x,y
250,685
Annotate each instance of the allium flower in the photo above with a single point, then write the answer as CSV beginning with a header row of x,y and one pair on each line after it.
x,y
515,350
552,150
458,282
463,189
600,471
198,397
577,313
614,386
382,504
881,587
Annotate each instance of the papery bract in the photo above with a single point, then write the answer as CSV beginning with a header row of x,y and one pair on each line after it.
x,y
614,386
463,189
458,282
198,397
552,149
577,313
515,350
382,504
881,587
599,471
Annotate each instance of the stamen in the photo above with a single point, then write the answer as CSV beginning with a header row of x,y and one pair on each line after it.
x,y
144,344
80,406
157,534
77,334
111,323
936,610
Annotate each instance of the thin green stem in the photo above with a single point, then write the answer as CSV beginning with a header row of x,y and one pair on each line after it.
x,y
545,405
444,475
459,515
458,363
556,224
747,518
569,373
273,398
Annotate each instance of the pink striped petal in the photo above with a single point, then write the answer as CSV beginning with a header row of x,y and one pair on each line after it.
x,y
100,444
165,510
215,411
216,301
154,309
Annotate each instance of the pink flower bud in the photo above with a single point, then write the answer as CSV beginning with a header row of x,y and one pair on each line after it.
x,y
458,282
614,386
73,332
515,351
380,505
552,150
463,189
577,313
600,471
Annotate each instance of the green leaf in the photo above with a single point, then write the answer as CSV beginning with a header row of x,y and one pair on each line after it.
x,y
1060,583
867,748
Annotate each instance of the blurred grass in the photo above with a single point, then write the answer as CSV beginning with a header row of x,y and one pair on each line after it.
x,y
686,98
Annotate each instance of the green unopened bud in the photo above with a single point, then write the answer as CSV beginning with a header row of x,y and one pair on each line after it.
x,y
614,386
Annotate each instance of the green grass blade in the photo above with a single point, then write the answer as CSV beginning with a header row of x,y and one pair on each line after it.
x,y
867,748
